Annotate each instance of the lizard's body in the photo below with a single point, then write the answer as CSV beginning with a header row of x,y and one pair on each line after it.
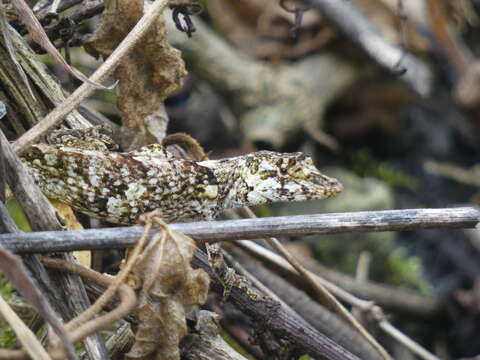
x,y
119,187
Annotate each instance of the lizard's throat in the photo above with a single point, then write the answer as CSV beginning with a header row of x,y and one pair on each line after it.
x,y
229,174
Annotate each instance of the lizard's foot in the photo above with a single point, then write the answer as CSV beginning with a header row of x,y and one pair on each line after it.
x,y
92,138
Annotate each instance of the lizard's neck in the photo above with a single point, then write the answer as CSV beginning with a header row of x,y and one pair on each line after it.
x,y
229,174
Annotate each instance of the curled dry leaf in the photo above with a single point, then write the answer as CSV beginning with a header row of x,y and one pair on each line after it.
x,y
147,75
168,284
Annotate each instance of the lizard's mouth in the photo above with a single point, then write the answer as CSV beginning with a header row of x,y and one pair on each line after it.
x,y
322,186
334,187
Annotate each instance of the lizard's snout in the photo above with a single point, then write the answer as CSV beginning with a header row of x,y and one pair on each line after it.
x,y
325,186
335,187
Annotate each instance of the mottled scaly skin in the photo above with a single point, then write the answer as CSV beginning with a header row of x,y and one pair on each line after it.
x,y
119,187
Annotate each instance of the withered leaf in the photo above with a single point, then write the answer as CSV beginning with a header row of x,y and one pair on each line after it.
x,y
168,284
147,75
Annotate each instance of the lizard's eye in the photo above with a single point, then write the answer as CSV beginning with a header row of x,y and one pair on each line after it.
x,y
283,171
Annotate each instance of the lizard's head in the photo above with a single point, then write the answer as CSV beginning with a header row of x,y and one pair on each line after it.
x,y
272,177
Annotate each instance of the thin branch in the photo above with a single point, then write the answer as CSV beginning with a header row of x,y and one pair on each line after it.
x,y
403,301
85,90
212,231
315,314
271,314
365,306
405,340
363,33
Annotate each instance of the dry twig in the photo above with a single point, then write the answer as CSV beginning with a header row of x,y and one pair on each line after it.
x,y
323,294
212,231
85,90
40,37
367,307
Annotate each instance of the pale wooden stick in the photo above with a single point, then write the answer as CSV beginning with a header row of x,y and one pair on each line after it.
x,y
24,334
212,231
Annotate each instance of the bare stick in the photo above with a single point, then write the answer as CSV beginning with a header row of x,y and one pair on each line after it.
x,y
85,90
211,231
405,340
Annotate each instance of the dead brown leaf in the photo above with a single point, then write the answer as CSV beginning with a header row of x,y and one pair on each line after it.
x,y
168,284
148,75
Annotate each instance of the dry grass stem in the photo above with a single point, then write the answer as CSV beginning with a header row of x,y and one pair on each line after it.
x,y
24,334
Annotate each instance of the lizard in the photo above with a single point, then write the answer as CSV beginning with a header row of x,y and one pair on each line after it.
x,y
81,168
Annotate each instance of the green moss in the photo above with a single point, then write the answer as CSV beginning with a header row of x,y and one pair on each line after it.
x,y
364,164
7,335
390,264
6,288
263,211
406,270
234,344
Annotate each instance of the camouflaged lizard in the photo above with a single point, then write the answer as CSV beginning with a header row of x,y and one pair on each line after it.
x,y
80,168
